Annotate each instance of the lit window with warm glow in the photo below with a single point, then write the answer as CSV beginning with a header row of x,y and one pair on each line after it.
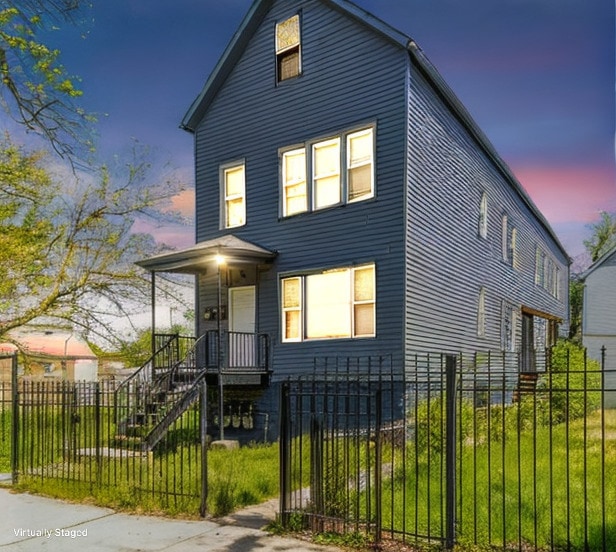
x,y
295,199
234,189
332,304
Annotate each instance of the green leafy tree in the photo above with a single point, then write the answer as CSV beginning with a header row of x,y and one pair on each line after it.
x,y
603,237
576,300
68,246
36,89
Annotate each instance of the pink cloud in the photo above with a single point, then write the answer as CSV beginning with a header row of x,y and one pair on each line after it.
x,y
570,194
184,203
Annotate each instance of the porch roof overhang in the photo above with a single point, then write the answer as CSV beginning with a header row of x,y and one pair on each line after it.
x,y
195,259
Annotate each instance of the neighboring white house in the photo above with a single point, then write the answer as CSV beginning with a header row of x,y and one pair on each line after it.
x,y
599,317
57,353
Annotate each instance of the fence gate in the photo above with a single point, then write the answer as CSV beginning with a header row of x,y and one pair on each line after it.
x,y
343,456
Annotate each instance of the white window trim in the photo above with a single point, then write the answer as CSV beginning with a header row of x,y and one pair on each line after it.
x,y
299,308
281,51
303,302
314,176
483,216
505,238
286,184
224,169
349,166
342,139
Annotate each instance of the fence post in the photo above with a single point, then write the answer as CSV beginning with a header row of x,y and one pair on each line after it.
x,y
203,441
15,421
450,451
378,466
285,456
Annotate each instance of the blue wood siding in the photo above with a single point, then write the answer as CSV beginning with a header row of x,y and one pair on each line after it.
x,y
447,261
350,77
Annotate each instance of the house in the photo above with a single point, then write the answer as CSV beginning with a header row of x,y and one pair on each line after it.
x,y
599,317
50,353
347,205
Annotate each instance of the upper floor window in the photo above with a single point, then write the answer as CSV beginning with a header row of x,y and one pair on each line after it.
x,y
483,216
359,165
326,173
509,242
333,304
294,182
288,49
325,179
234,196
547,273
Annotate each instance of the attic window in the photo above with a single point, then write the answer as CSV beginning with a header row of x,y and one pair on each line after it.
x,y
288,60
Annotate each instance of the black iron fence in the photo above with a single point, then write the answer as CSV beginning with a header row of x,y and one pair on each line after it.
x,y
459,450
79,435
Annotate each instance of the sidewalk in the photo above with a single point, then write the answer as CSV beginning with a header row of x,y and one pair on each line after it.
x,y
29,523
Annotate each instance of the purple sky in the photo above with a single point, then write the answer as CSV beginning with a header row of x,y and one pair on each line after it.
x,y
537,76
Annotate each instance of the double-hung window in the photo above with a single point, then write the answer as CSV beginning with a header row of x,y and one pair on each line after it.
x,y
295,198
359,165
325,173
332,304
234,196
483,216
288,46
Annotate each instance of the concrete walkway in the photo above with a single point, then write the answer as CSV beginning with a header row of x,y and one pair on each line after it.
x,y
29,523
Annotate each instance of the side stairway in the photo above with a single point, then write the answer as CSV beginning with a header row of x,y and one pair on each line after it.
x,y
158,393
527,384
155,396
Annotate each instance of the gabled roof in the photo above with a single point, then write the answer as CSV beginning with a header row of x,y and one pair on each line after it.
x,y
193,260
255,16
242,36
610,254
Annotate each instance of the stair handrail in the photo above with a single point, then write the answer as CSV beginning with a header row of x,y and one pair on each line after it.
x,y
179,407
137,374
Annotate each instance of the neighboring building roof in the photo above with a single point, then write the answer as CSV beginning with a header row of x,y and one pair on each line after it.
x,y
195,258
251,22
610,254
49,342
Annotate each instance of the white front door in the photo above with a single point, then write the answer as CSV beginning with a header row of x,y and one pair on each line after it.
x,y
242,323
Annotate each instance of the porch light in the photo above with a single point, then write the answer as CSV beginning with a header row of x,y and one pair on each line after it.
x,y
220,260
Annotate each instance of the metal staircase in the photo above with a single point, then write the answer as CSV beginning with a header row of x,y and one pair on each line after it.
x,y
157,394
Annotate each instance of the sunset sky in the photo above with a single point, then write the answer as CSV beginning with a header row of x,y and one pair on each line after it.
x,y
537,76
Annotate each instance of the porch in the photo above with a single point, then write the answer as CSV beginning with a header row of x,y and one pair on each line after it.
x,y
238,358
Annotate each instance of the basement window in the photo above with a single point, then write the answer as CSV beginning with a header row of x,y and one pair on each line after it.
x,y
288,49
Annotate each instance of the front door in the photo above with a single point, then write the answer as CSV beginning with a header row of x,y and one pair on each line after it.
x,y
242,323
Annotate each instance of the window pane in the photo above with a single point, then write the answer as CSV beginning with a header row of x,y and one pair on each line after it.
x,y
235,212
328,310
292,325
294,166
327,191
294,182
360,182
287,33
327,158
364,319
360,148
288,64
234,181
364,284
291,292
